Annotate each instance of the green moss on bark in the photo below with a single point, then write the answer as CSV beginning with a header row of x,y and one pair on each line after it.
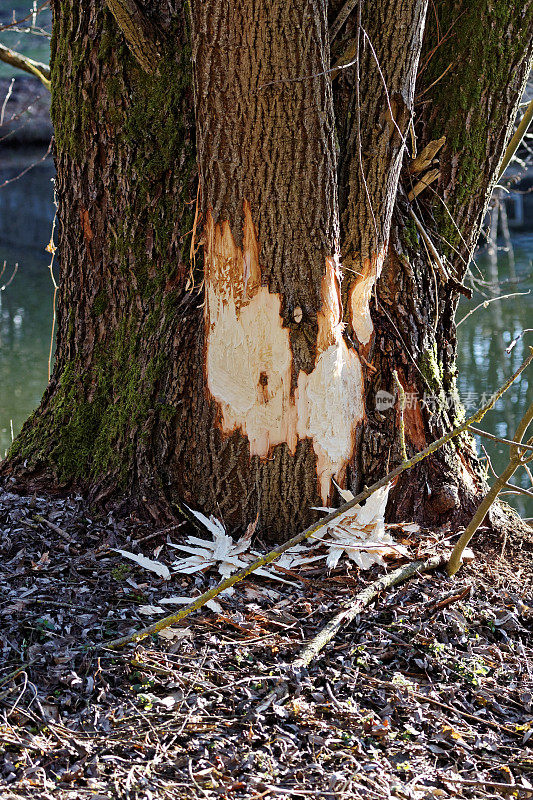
x,y
128,137
95,417
466,69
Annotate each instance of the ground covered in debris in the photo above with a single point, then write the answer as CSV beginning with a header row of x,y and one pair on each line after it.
x,y
428,694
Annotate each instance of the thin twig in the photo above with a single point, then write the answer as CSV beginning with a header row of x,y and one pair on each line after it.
x,y
200,601
485,303
500,439
517,338
517,490
53,527
31,15
6,101
431,247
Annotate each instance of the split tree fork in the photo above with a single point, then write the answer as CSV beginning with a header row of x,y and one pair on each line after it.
x,y
238,373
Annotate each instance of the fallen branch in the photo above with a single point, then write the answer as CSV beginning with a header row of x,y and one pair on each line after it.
x,y
200,601
352,607
349,610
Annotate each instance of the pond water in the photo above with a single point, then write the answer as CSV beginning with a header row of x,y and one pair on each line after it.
x,y
26,214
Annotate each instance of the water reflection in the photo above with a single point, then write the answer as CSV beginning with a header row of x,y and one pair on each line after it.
x,y
484,363
26,212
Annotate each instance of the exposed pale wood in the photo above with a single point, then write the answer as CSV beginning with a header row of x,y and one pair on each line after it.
x,y
286,382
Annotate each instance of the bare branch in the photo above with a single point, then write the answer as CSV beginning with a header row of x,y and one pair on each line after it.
x,y
14,59
517,490
485,303
500,439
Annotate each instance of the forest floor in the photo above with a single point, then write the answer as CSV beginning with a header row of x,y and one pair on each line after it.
x,y
428,694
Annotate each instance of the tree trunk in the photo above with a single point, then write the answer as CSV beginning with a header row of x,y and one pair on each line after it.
x,y
244,379
126,181
248,407
475,60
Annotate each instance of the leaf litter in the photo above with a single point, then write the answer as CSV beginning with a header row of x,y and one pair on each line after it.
x,y
428,694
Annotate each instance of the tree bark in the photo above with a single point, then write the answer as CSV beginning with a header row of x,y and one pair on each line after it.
x,y
475,60
126,175
285,387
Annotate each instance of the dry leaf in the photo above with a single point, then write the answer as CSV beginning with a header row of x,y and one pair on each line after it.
x,y
173,634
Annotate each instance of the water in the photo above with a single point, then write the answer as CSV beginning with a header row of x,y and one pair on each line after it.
x,y
31,37
484,363
26,305
26,213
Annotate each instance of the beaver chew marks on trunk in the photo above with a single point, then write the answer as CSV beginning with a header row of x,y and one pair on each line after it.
x,y
249,359
360,295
